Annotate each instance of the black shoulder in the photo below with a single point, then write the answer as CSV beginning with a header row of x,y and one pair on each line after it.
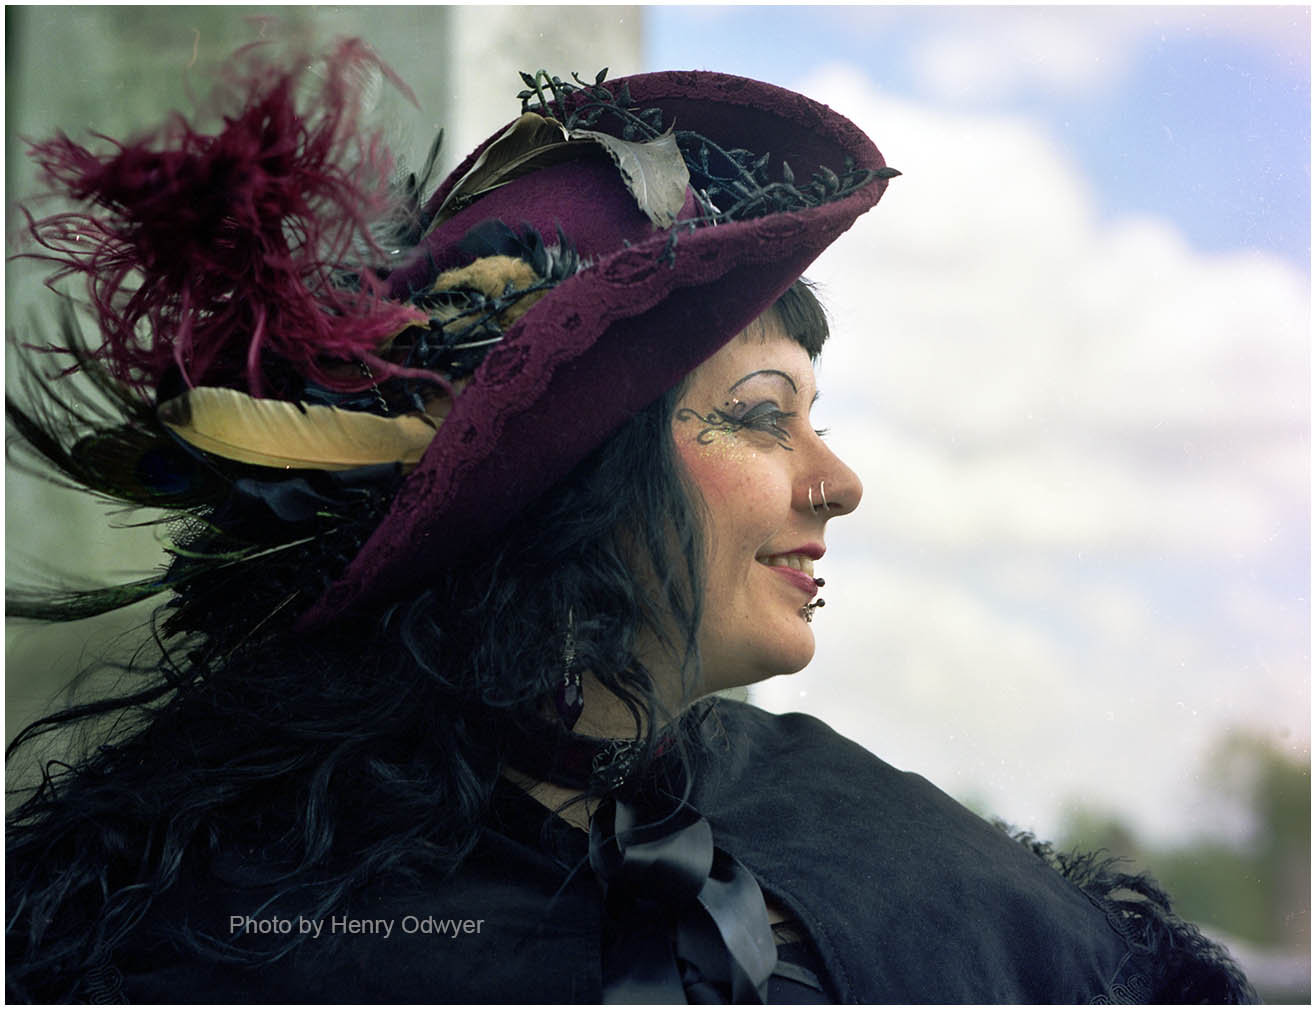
x,y
897,853
742,732
1179,964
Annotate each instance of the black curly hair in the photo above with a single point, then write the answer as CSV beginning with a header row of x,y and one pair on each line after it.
x,y
371,747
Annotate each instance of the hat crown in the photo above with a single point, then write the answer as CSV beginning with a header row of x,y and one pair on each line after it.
x,y
585,199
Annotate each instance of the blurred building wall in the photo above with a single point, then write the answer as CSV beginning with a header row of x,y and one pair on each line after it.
x,y
119,70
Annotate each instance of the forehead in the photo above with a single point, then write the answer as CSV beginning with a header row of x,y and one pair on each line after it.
x,y
765,348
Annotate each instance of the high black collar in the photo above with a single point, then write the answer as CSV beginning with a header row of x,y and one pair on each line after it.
x,y
602,765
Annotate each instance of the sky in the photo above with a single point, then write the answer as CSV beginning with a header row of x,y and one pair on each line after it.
x,y
1071,363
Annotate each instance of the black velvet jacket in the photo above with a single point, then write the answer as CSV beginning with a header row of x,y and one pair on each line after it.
x,y
905,895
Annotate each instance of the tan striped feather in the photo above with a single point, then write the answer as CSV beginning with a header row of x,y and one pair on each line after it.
x,y
277,433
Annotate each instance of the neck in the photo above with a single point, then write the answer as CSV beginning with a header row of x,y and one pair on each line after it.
x,y
604,717
566,803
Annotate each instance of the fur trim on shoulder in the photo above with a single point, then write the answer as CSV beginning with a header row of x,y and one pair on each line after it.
x,y
1179,964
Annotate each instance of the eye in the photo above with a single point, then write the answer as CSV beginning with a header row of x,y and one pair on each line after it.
x,y
733,416
766,417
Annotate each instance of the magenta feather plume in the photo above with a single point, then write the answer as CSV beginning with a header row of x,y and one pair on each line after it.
x,y
237,254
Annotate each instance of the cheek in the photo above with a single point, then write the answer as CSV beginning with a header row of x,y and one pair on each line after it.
x,y
720,470
742,500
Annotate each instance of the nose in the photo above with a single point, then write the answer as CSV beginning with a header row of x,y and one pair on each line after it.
x,y
829,487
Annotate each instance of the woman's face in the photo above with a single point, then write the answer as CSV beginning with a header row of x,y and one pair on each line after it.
x,y
742,431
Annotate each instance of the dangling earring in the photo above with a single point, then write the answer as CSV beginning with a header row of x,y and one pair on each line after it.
x,y
569,699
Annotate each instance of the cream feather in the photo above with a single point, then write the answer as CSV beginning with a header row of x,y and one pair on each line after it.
x,y
519,149
294,436
654,170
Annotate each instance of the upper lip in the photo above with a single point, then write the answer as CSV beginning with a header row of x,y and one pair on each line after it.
x,y
811,551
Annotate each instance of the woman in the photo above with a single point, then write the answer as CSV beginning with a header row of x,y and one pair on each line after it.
x,y
474,512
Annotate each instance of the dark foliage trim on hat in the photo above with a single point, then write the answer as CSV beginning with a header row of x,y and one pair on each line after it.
x,y
736,178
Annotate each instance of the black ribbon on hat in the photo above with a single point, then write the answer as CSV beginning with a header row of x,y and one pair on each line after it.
x,y
305,496
688,918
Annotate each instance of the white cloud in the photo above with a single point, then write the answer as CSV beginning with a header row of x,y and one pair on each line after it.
x,y
1038,50
990,53
1084,448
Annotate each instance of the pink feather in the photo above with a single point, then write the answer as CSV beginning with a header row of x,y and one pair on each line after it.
x,y
219,253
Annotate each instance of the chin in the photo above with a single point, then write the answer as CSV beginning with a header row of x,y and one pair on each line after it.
x,y
787,654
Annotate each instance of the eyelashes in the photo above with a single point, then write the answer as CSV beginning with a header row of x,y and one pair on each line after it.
x,y
768,417
764,417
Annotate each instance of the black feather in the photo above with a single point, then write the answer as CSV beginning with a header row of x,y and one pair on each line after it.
x,y
1180,964
82,430
86,431
553,263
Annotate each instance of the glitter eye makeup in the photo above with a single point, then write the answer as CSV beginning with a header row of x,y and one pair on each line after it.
x,y
736,414
766,417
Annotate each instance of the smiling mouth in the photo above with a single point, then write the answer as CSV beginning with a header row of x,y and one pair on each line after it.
x,y
800,562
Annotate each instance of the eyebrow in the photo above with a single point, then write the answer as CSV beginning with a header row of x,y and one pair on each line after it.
x,y
765,371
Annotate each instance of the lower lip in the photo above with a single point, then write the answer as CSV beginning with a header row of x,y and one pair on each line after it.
x,y
797,578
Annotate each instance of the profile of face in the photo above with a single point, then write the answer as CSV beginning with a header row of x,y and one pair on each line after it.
x,y
770,484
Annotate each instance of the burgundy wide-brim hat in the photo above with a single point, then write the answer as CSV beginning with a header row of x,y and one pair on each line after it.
x,y
653,303
279,314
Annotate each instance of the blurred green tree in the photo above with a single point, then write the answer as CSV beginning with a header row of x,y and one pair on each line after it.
x,y
1258,892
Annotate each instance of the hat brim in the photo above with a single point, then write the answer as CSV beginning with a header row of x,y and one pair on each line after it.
x,y
605,343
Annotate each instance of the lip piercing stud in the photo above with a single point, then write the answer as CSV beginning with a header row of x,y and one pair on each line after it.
x,y
807,610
